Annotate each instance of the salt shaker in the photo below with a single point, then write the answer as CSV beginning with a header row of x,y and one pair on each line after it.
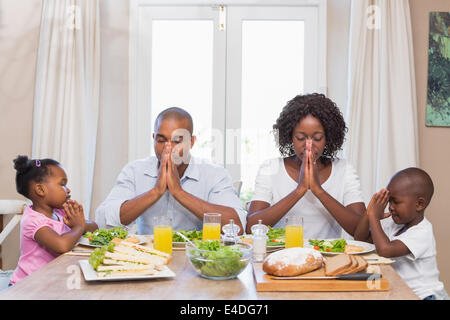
x,y
259,239
230,233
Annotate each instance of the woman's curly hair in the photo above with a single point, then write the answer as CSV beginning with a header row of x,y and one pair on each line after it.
x,y
320,107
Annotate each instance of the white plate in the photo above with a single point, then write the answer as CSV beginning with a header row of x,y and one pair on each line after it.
x,y
85,241
368,247
91,275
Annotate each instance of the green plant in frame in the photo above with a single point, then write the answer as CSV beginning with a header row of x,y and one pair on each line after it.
x,y
438,93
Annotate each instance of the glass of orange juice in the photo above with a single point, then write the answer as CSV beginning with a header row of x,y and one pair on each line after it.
x,y
162,234
211,226
294,232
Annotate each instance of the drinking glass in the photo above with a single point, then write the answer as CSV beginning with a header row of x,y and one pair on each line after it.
x,y
162,233
211,226
294,231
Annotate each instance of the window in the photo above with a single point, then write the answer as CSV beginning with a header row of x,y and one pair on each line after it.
x,y
182,69
232,67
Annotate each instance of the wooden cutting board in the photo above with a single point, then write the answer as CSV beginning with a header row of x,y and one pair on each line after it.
x,y
265,283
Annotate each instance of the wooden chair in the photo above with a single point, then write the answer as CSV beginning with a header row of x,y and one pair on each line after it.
x,y
9,207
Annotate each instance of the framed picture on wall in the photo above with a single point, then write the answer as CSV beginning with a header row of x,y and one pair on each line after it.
x,y
438,92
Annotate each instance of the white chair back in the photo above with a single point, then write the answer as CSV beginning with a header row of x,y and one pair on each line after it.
x,y
8,207
237,185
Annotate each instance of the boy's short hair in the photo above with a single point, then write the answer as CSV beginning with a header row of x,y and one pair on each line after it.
x,y
420,183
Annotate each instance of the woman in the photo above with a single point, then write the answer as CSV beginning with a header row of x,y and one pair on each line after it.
x,y
308,180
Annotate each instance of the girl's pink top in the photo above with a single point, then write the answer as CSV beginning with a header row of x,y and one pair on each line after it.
x,y
33,256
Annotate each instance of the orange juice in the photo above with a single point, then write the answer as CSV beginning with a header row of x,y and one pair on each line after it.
x,y
163,238
211,231
294,236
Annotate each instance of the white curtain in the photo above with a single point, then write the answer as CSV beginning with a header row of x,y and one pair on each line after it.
x,y
382,109
67,91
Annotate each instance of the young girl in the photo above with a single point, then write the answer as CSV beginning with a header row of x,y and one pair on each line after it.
x,y
404,232
54,223
308,180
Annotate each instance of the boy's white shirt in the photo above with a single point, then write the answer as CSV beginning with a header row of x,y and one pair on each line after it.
x,y
418,268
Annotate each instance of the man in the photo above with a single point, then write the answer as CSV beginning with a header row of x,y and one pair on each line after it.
x,y
173,183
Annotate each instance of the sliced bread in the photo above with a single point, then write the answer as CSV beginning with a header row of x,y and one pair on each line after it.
x,y
351,268
362,263
337,264
359,264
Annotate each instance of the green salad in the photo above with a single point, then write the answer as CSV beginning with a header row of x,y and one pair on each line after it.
x,y
337,245
218,261
190,234
103,237
276,237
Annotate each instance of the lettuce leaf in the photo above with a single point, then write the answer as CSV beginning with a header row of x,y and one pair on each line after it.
x,y
103,236
337,245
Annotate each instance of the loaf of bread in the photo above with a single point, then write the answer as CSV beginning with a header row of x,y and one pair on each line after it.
x,y
292,262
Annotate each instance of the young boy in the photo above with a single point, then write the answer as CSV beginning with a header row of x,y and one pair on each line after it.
x,y
404,233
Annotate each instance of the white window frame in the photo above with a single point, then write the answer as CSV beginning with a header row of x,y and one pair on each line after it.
x,y
226,101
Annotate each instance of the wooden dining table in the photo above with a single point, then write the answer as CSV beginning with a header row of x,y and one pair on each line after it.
x,y
63,278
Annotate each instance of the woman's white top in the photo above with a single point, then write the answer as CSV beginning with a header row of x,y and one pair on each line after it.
x,y
418,268
273,183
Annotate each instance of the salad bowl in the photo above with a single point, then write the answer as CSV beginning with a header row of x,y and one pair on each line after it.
x,y
213,260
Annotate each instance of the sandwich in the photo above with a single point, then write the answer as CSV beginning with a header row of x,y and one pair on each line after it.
x,y
128,269
127,259
350,248
128,239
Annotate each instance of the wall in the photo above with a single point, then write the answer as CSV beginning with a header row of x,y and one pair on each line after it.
x,y
434,142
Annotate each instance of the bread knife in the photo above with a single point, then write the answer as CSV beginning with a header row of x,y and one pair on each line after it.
x,y
354,276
